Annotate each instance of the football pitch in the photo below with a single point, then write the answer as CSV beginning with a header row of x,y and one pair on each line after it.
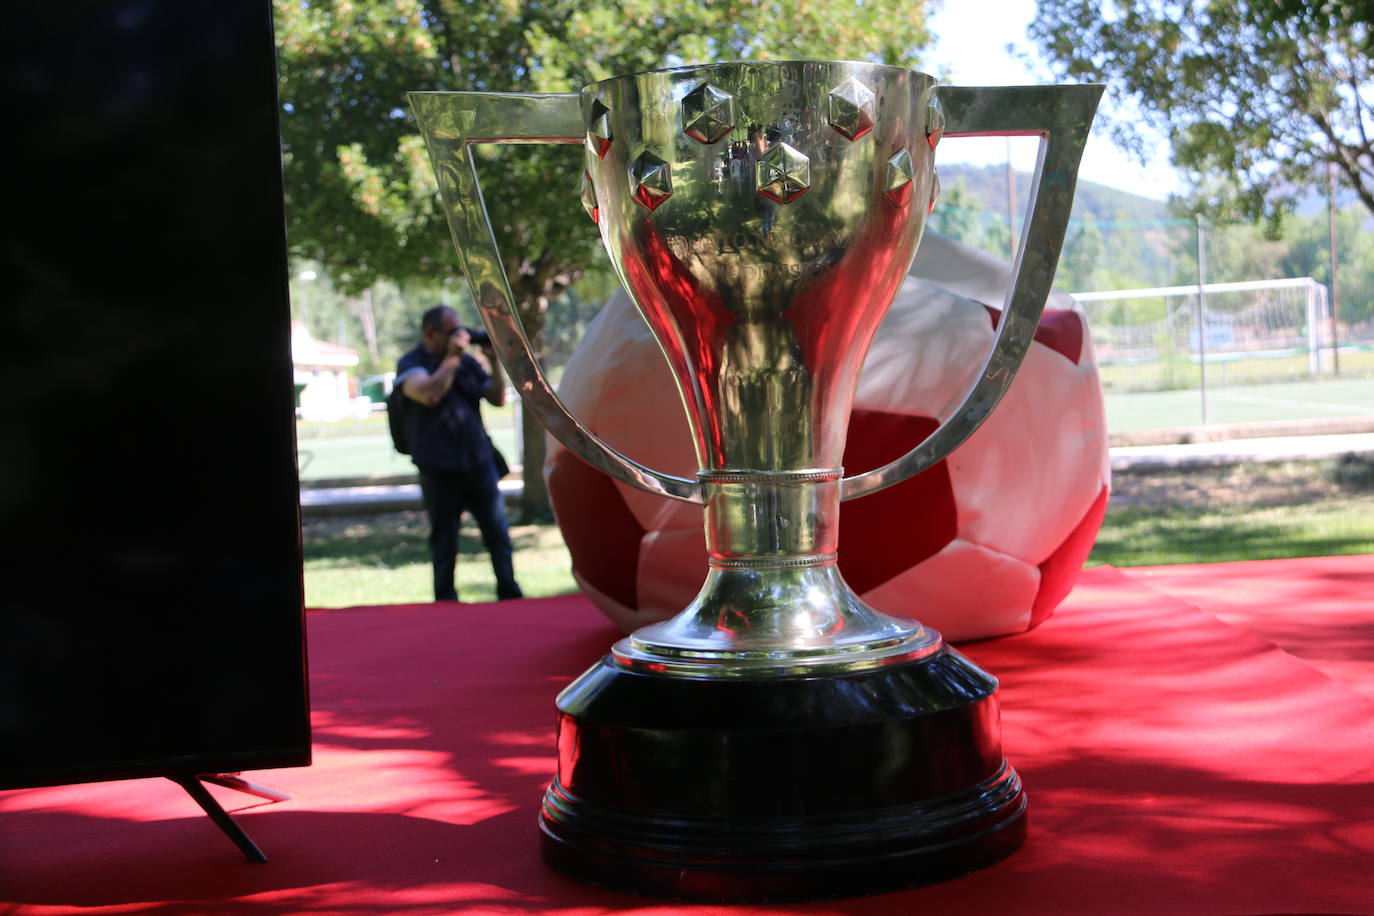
x,y
1308,400
344,449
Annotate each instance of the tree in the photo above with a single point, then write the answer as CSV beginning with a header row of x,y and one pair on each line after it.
x,y
960,214
1254,104
1309,255
1323,15
1080,266
360,197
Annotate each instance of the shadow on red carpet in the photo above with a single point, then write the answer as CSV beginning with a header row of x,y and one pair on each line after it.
x,y
1175,764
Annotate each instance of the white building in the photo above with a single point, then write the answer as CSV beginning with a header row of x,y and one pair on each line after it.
x,y
324,389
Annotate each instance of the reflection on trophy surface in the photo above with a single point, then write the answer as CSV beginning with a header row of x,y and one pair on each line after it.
x,y
778,738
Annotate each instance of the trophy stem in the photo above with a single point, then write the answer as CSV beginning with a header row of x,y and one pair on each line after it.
x,y
774,603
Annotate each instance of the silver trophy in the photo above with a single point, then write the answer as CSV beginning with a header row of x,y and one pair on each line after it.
x,y
778,738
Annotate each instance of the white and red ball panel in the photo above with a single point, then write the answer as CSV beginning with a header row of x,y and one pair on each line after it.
x,y
602,534
1059,570
883,534
617,382
965,591
672,563
1018,478
931,341
985,543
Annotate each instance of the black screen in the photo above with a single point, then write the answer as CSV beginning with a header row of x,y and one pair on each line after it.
x,y
150,587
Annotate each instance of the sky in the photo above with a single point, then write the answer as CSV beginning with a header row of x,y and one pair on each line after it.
x,y
970,49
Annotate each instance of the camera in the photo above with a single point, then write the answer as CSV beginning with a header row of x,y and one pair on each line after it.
x,y
477,336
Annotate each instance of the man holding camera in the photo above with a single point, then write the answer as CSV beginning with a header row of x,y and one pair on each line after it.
x,y
445,384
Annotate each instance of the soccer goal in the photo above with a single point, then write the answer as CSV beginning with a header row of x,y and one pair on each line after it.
x,y
1233,332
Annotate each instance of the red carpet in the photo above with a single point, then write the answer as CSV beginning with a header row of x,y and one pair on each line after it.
x,y
1175,764
1325,615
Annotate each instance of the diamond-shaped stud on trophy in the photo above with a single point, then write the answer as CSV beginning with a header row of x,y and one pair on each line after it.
x,y
598,129
708,113
784,173
778,738
651,180
851,108
901,172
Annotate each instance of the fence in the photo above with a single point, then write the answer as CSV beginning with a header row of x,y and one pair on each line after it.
x,y
1276,329
1179,306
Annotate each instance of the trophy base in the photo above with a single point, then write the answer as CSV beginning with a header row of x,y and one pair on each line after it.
x,y
796,788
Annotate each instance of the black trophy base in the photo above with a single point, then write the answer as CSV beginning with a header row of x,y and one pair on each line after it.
x,y
781,789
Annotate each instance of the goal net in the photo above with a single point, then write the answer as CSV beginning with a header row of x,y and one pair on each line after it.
x,y
1243,332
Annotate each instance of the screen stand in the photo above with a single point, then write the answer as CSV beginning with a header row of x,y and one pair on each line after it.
x,y
195,787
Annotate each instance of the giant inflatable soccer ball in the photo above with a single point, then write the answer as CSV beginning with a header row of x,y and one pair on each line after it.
x,y
985,543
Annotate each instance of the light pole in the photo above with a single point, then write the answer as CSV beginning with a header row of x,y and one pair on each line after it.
x,y
1202,310
1331,243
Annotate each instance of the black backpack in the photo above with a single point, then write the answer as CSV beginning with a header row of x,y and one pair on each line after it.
x,y
396,408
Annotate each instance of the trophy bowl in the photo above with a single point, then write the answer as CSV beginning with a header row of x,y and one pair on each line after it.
x,y
778,738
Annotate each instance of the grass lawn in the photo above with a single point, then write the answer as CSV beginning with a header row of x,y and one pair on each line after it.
x,y
384,559
362,447
1227,370
1153,537
1304,400
1249,512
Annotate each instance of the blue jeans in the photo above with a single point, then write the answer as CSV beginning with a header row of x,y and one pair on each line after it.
x,y
447,494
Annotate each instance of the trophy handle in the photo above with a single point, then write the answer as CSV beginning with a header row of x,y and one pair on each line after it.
x,y
1060,116
450,122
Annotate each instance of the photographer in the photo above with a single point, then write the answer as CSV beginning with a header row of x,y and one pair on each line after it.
x,y
445,384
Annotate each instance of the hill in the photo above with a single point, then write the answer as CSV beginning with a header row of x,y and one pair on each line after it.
x,y
1115,239
987,185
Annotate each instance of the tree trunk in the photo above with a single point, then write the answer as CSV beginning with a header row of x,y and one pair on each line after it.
x,y
535,283
369,322
534,499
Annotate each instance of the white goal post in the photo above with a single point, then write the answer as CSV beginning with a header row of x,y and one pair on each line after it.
x,y
1254,319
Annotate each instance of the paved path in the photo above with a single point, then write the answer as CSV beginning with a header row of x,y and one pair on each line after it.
x,y
373,499
1144,458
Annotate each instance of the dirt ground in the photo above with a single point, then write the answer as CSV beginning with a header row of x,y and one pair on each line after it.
x,y
1250,485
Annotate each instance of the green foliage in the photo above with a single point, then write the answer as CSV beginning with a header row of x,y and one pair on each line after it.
x,y
964,215
1221,534
1354,470
1234,252
1081,266
1254,104
1300,247
1204,516
1323,16
1176,370
1308,254
361,198
381,322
